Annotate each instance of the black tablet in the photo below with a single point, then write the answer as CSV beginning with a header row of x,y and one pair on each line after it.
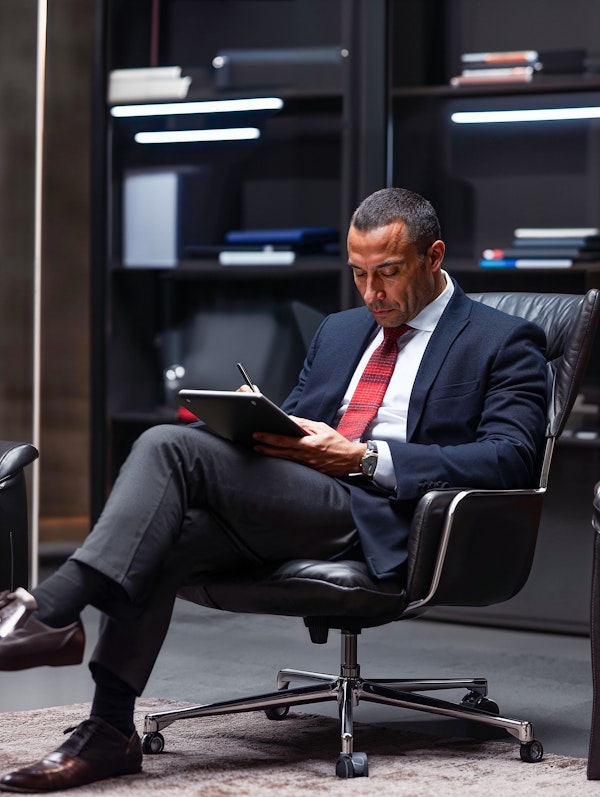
x,y
236,416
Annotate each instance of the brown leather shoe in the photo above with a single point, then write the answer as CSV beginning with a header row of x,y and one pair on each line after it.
x,y
15,608
36,644
95,751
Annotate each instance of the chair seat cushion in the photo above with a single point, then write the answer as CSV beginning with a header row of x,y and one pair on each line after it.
x,y
305,588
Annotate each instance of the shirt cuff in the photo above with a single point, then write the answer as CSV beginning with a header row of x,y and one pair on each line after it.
x,y
384,475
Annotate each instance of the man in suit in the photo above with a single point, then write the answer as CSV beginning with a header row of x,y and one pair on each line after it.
x,y
461,403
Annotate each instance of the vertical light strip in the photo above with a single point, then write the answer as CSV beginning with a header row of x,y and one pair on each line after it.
x,y
40,102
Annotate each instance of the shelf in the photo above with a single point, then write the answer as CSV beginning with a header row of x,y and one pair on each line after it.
x,y
290,95
315,112
539,85
573,440
465,264
172,201
485,180
475,279
211,269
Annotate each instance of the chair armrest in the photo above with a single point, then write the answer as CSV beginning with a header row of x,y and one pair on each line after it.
x,y
424,539
14,457
596,507
472,547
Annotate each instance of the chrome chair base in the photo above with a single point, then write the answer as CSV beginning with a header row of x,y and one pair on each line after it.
x,y
348,689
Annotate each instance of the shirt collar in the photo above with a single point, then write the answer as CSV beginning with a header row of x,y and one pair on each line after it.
x,y
427,319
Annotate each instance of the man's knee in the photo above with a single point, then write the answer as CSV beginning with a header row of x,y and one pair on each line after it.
x,y
186,447
164,439
157,436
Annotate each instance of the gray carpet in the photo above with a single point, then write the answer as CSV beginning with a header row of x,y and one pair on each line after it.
x,y
209,655
250,755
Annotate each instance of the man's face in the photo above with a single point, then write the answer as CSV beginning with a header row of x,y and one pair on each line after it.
x,y
393,280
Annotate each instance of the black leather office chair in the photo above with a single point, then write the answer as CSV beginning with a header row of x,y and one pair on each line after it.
x,y
14,540
466,548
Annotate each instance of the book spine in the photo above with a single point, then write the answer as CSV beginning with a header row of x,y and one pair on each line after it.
x,y
529,262
531,251
147,73
265,258
582,244
498,71
501,57
485,77
555,232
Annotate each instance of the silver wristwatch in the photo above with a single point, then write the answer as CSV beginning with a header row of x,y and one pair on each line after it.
x,y
368,462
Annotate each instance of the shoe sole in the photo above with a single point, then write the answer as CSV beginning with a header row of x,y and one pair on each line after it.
x,y
19,790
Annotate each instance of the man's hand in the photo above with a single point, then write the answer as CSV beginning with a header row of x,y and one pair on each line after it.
x,y
322,448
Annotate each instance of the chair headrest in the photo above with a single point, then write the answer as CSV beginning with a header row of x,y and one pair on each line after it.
x,y
553,312
570,322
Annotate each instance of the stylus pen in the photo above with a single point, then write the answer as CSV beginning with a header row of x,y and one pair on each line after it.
x,y
247,379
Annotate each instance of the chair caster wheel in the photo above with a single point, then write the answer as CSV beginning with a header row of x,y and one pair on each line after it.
x,y
277,713
480,702
532,752
353,765
477,730
153,743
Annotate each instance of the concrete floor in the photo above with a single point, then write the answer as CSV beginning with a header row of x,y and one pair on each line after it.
x,y
210,655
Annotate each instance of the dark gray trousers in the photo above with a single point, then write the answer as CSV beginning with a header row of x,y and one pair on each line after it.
x,y
247,510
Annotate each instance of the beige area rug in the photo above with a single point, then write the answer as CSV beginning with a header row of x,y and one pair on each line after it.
x,y
249,755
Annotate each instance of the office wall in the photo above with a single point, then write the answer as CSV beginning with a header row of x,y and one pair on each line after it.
x,y
64,448
17,115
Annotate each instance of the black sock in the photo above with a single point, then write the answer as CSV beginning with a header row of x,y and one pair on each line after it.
x,y
63,595
114,700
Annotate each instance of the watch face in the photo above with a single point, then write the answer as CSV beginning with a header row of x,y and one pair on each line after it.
x,y
368,464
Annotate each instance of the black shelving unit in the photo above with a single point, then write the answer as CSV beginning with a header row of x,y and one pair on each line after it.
x,y
316,157
485,180
381,117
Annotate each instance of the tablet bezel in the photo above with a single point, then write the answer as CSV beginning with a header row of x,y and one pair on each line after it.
x,y
236,415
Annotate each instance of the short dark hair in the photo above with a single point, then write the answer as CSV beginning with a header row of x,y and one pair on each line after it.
x,y
390,205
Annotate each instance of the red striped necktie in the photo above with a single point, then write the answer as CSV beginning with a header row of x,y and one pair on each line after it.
x,y
372,385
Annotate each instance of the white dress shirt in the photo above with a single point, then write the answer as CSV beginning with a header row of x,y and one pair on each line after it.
x,y
390,421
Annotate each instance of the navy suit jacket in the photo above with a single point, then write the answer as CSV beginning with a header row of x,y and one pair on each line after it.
x,y
476,416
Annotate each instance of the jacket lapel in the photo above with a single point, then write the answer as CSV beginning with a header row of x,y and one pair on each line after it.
x,y
454,319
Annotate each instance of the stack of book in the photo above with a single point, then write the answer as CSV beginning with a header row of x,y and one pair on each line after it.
x,y
517,66
546,247
270,247
147,84
510,66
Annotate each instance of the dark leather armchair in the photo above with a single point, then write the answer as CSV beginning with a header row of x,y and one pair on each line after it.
x,y
467,547
14,541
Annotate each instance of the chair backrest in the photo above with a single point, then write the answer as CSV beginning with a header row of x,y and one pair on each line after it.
x,y
475,548
570,322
